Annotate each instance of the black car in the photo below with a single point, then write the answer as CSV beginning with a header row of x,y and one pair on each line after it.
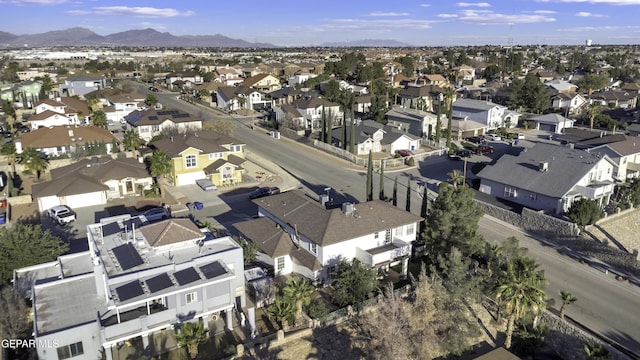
x,y
464,153
263,191
476,139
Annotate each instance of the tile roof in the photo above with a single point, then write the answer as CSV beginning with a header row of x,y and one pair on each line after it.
x,y
629,146
103,169
65,136
206,141
68,185
313,103
171,231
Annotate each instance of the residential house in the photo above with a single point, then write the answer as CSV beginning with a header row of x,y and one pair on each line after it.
x,y
634,129
285,95
424,97
290,117
561,87
61,111
151,122
571,103
311,109
363,103
436,79
91,182
262,82
465,73
227,75
298,235
241,97
415,122
376,137
615,98
137,282
68,140
552,122
82,84
183,79
464,127
122,105
624,153
204,155
485,112
631,88
25,94
550,177
299,78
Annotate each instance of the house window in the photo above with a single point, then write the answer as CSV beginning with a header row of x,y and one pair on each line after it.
x,y
190,161
510,192
69,351
387,236
376,235
280,265
215,156
191,297
398,231
313,247
533,197
411,230
155,128
236,148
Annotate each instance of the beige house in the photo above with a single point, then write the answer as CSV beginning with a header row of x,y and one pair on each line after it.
x,y
152,122
262,82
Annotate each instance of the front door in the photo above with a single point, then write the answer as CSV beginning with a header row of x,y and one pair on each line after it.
x,y
129,186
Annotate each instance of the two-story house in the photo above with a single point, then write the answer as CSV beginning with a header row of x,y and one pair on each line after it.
x,y
59,140
373,136
25,93
227,75
421,97
415,122
625,154
485,112
122,105
262,82
204,155
183,79
297,234
136,281
240,97
82,84
312,109
151,122
550,177
61,111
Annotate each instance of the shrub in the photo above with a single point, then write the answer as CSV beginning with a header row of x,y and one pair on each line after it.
x,y
317,309
585,212
411,161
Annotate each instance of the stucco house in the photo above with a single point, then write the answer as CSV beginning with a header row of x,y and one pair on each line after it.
x,y
183,79
227,75
262,82
59,140
137,280
625,154
421,97
550,177
415,122
376,137
241,97
25,94
297,234
152,122
82,84
90,182
555,123
121,105
60,111
311,109
572,103
204,155
485,112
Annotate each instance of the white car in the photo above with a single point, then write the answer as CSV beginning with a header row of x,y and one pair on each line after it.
x,y
62,214
492,137
519,136
206,185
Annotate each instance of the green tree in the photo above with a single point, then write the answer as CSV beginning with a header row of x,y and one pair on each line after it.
x,y
131,140
592,113
161,166
394,198
249,251
424,207
567,299
438,132
9,150
449,95
378,108
332,91
191,336
43,246
353,282
456,178
151,100
323,130
370,177
14,323
99,119
522,291
282,311
585,212
33,160
596,351
381,193
407,206
299,291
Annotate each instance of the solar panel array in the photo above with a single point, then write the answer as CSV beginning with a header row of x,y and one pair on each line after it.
x,y
186,276
153,117
179,116
133,221
110,229
159,282
213,270
129,290
168,112
127,256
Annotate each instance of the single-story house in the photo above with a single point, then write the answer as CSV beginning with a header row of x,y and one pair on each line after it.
x,y
554,123
59,140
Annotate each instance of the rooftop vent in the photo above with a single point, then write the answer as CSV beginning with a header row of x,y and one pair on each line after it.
x,y
348,208
543,166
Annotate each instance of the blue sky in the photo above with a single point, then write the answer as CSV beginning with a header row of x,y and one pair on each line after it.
x,y
305,23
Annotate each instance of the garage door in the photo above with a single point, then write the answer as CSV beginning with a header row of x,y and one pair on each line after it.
x,y
547,127
190,178
47,202
82,200
467,134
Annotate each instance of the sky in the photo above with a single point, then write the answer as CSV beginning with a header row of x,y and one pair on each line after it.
x,y
309,23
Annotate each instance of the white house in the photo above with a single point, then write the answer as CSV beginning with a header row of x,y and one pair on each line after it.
x,y
151,122
123,105
61,111
376,137
416,122
552,122
492,115
299,235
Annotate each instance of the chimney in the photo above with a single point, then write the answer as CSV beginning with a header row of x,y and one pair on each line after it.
x,y
70,132
543,166
348,208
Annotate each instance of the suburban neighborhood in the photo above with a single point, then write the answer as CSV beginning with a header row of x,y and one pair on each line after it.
x,y
395,202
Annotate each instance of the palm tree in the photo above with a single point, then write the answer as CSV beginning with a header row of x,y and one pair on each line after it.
x,y
596,351
99,119
567,299
455,177
299,290
131,141
9,150
33,160
592,113
449,93
281,310
191,335
160,166
522,291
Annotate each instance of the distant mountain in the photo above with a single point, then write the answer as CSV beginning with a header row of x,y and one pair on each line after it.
x,y
368,43
148,37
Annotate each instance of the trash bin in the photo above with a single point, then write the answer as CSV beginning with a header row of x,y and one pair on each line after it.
x,y
515,142
3,218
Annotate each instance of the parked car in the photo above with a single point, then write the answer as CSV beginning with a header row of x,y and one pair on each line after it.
x,y
263,191
206,185
484,149
23,128
475,139
153,88
519,136
492,137
464,153
62,214
196,205
404,153
156,214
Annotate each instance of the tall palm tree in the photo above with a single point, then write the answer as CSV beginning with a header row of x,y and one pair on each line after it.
x,y
299,290
9,150
131,140
592,113
449,94
160,166
99,119
192,335
34,161
455,177
522,290
567,299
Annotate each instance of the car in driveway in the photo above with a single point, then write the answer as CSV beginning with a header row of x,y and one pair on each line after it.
x,y
206,185
492,137
263,191
475,139
484,149
404,153
519,136
62,214
156,214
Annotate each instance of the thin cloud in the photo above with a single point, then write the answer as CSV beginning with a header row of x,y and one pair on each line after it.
x,y
386,14
34,2
447,16
373,25
597,28
425,5
487,17
605,2
144,12
588,14
480,4
544,12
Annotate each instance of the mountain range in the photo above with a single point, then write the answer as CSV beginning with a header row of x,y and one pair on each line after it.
x,y
78,36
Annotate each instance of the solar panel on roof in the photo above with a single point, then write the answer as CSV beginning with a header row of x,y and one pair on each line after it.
x,y
129,290
213,270
110,229
135,221
153,117
186,276
127,256
159,282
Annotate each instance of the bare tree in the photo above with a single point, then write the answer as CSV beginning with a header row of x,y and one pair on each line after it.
x,y
13,322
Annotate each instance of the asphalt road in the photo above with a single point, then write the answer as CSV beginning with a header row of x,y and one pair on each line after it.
x,y
604,305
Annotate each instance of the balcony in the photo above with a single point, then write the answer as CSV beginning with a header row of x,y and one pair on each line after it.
x,y
137,320
596,189
386,254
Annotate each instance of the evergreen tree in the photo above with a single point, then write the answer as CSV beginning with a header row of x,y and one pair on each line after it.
x,y
424,208
381,197
323,131
370,177
352,138
408,205
394,198
354,282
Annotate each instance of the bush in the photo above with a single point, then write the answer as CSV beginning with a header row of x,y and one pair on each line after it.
x,y
317,309
585,212
453,148
411,161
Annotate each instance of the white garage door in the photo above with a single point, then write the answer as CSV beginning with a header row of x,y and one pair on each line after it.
x,y
47,202
189,178
82,200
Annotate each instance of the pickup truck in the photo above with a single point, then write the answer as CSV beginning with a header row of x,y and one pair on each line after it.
x,y
484,149
62,214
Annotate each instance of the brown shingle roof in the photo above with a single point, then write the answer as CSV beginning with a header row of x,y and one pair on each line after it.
x,y
206,141
103,169
269,237
171,231
44,115
69,185
63,135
